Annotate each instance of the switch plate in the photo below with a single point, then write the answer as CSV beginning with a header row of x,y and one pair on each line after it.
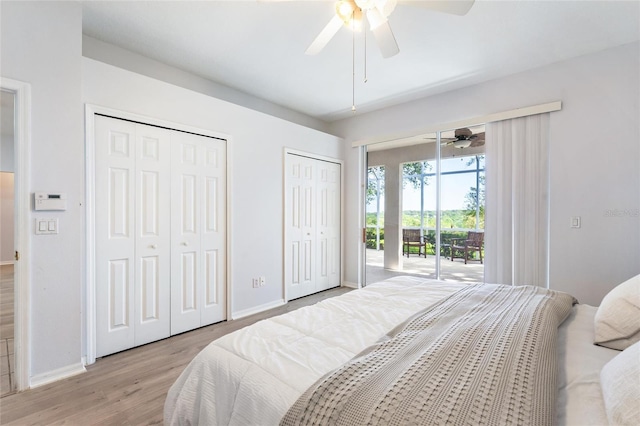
x,y
46,226
575,221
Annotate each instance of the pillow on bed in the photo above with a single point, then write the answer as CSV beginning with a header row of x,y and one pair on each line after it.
x,y
617,321
620,382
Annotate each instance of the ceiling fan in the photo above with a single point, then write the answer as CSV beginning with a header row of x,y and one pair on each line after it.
x,y
350,14
464,138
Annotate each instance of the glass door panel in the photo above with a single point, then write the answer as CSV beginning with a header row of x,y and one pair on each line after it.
x,y
462,209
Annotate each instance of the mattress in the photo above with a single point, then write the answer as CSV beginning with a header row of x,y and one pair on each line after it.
x,y
253,376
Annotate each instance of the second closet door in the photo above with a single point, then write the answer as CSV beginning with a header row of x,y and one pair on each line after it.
x,y
312,225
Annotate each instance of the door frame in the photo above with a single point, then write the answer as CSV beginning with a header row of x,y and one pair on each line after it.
x,y
90,297
291,151
22,229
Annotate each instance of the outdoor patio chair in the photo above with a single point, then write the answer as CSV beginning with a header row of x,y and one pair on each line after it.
x,y
412,238
461,248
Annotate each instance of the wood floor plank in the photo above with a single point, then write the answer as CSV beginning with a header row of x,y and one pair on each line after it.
x,y
130,387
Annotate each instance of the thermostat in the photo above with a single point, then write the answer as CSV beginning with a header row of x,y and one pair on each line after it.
x,y
46,201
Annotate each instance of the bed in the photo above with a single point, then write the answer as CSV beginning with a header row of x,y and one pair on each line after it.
x,y
259,374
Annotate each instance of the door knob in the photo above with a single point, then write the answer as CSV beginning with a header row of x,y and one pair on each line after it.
x,y
153,246
184,243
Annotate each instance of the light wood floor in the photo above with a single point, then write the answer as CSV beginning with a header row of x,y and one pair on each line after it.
x,y
128,388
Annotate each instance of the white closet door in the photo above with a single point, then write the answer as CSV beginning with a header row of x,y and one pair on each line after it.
x,y
300,232
132,234
328,225
115,234
198,231
214,223
153,235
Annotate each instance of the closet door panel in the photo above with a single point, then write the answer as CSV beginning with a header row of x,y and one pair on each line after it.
x,y
213,175
153,235
115,235
299,226
186,262
328,225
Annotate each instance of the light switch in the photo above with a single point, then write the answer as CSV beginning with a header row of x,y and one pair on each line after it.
x,y
575,222
46,226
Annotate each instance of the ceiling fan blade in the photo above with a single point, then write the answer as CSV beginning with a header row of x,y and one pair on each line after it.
x,y
477,140
385,40
325,36
454,7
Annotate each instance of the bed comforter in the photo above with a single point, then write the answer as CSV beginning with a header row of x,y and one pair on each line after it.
x,y
484,356
253,376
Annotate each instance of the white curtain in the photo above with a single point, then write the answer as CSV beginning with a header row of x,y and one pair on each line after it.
x,y
517,201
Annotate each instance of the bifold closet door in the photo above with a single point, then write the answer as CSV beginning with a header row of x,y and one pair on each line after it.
x,y
132,234
312,225
300,232
327,225
198,213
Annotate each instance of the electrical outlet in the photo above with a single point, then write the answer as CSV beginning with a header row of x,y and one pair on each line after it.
x,y
262,281
256,282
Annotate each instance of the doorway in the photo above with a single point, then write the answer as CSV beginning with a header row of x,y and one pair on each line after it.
x,y
7,243
424,198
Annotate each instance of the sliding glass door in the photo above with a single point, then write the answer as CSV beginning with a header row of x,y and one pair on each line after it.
x,y
425,207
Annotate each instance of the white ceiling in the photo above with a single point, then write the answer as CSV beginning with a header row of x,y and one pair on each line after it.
x,y
258,47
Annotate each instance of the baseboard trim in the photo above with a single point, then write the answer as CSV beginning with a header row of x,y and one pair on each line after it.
x,y
350,284
257,309
57,374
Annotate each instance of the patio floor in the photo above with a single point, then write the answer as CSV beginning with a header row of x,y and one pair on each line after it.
x,y
419,266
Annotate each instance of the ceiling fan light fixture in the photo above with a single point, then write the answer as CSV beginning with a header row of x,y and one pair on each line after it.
x,y
462,143
350,14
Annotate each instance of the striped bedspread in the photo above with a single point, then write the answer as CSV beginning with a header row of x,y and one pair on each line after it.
x,y
486,355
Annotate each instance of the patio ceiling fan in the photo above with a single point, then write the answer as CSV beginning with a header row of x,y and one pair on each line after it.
x,y
350,14
464,138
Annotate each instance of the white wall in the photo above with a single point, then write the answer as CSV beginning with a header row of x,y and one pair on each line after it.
x,y
121,58
256,172
41,45
594,151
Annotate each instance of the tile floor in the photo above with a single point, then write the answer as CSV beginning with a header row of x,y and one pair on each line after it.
x,y
7,383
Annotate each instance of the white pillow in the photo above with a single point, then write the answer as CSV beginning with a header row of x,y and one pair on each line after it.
x,y
617,321
620,382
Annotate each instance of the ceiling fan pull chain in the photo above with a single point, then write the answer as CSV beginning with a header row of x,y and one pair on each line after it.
x,y
365,56
353,68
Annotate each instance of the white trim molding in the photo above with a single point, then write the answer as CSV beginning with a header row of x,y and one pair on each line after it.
x,y
22,235
57,374
257,309
389,141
